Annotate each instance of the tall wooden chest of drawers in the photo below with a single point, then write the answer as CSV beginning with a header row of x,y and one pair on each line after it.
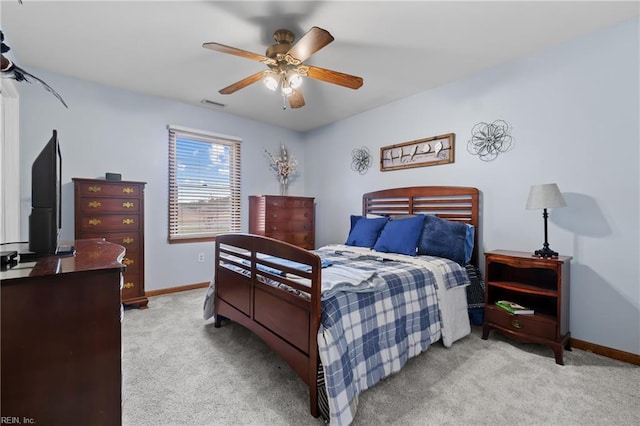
x,y
114,210
289,219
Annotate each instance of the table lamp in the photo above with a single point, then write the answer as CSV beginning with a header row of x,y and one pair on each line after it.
x,y
543,197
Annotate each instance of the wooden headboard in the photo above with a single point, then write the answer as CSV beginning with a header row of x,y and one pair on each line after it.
x,y
460,204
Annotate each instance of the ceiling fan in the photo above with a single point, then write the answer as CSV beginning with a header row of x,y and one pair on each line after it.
x,y
285,65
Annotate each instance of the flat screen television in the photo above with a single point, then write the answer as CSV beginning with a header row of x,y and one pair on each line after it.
x,y
45,220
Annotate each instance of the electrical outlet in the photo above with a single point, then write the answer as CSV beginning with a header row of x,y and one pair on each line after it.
x,y
200,257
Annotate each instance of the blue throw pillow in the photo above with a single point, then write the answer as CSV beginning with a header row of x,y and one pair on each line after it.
x,y
354,220
443,238
468,243
365,232
400,236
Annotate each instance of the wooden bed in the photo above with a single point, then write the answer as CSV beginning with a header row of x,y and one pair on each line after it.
x,y
286,321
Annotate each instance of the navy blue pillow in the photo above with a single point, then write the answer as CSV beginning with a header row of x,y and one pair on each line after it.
x,y
354,220
365,232
468,243
400,236
443,238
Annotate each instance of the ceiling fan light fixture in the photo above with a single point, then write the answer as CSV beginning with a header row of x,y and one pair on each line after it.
x,y
286,87
271,82
285,65
295,79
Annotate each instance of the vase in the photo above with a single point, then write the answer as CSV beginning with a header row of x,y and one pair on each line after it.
x,y
284,186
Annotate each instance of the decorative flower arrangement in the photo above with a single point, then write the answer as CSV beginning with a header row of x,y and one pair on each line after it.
x,y
283,165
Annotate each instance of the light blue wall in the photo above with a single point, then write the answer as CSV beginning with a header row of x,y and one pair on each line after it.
x,y
574,112
112,130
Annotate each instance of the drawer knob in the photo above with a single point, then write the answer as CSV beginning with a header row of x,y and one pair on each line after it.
x,y
127,240
94,222
274,228
127,221
94,189
516,324
127,261
128,285
127,190
95,204
127,205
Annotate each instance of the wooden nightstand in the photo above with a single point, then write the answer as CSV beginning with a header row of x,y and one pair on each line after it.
x,y
537,283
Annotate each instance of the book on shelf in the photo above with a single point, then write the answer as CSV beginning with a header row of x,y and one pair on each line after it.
x,y
513,308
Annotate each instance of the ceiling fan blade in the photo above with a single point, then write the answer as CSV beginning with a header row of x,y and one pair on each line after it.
x,y
238,52
296,100
242,83
313,40
335,77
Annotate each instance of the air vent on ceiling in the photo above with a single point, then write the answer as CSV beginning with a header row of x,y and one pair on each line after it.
x,y
212,103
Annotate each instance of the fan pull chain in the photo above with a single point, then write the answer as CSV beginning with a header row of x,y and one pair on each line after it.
x,y
284,102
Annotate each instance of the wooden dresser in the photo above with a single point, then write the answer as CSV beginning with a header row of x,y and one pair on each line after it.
x,y
61,338
114,210
290,219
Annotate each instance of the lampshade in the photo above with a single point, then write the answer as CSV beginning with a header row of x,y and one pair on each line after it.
x,y
545,196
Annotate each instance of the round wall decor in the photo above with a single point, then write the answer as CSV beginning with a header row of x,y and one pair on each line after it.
x,y
360,160
489,139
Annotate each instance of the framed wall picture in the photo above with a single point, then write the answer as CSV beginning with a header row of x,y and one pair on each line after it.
x,y
418,153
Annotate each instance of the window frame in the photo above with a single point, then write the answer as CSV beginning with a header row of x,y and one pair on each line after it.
x,y
233,142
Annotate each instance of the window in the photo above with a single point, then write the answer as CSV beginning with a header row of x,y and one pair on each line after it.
x,y
204,185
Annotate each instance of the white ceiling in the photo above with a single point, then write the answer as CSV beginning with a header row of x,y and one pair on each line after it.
x,y
398,48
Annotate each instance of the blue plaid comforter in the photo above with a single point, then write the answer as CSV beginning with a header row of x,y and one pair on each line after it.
x,y
365,337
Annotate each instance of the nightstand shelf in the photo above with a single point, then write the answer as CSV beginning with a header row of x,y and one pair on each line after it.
x,y
525,288
537,283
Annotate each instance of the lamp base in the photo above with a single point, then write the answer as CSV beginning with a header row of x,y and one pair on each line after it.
x,y
545,252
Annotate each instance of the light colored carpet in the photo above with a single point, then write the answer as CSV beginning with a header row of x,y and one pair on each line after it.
x,y
177,370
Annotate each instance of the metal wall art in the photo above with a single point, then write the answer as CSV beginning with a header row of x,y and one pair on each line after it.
x,y
418,153
489,139
360,160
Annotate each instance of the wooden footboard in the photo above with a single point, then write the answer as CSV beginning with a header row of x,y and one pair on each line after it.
x,y
251,292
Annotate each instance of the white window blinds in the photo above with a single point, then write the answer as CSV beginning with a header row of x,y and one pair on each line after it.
x,y
204,185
